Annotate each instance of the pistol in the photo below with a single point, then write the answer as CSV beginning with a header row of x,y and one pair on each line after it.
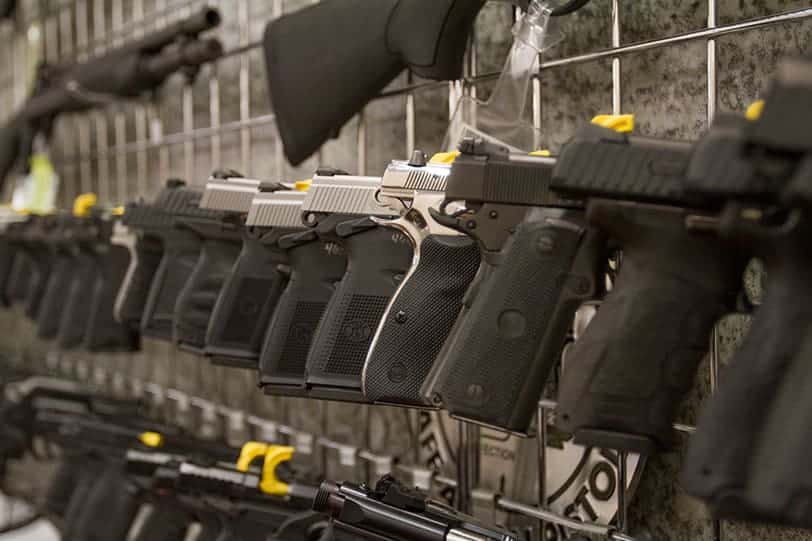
x,y
73,323
9,252
378,259
147,223
218,229
393,512
539,261
181,250
626,375
22,266
59,280
29,274
422,311
760,171
104,331
316,266
252,288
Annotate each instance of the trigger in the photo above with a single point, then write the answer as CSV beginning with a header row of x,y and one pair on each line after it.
x,y
446,220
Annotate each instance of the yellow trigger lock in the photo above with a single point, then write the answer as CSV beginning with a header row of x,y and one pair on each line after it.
x,y
302,185
619,123
754,111
83,203
151,439
249,453
274,456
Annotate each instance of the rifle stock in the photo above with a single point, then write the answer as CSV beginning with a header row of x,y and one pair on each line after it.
x,y
428,36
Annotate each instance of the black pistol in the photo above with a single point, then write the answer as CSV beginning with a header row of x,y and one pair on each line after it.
x,y
378,259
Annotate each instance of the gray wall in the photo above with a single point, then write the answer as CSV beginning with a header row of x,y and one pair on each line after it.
x,y
665,88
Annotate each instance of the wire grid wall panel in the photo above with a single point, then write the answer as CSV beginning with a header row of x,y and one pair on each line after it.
x,y
224,119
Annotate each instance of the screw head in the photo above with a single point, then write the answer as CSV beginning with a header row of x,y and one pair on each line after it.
x,y
400,317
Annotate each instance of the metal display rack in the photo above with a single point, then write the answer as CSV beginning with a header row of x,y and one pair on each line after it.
x,y
89,159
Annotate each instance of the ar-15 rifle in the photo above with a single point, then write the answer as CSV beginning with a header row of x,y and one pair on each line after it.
x,y
125,72
392,512
423,309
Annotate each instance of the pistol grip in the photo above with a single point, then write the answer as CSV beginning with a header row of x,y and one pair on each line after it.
x,y
419,318
109,509
627,374
197,299
734,422
38,282
53,300
180,257
315,271
377,261
132,297
104,333
19,277
499,355
778,489
62,487
249,295
75,314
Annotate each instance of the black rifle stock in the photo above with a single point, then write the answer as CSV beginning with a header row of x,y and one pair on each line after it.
x,y
626,375
124,72
428,36
316,266
540,261
377,261
423,309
